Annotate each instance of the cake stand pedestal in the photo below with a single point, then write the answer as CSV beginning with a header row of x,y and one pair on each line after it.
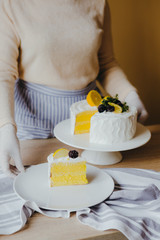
x,y
100,154
102,158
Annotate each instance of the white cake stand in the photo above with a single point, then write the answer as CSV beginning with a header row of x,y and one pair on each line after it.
x,y
100,154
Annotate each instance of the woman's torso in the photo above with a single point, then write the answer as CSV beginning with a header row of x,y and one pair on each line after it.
x,y
59,41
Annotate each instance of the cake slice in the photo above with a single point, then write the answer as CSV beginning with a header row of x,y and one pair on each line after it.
x,y
66,168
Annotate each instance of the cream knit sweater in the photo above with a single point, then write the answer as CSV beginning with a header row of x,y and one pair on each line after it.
x,y
63,44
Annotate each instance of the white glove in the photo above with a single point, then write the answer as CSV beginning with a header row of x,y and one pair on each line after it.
x,y
9,149
133,99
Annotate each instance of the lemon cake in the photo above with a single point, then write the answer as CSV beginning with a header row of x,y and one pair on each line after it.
x,y
107,119
66,168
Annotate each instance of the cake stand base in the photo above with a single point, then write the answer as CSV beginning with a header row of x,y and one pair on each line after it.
x,y
102,158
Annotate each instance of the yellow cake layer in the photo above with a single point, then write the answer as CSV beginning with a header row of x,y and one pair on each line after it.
x,y
81,128
68,180
82,124
70,173
69,167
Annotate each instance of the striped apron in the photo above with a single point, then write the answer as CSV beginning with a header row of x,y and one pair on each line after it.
x,y
39,108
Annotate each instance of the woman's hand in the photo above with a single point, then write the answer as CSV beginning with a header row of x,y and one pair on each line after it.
x,y
9,149
133,99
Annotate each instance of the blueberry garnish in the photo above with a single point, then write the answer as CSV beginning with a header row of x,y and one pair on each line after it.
x,y
116,101
110,108
101,108
73,154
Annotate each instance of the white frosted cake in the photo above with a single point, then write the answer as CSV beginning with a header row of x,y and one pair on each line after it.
x,y
109,127
107,120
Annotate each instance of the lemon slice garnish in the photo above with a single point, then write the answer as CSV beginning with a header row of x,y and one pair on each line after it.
x,y
94,98
61,152
117,108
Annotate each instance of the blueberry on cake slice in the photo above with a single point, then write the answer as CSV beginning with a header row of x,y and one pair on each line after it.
x,y
66,168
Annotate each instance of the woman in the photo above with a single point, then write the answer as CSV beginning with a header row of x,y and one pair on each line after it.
x,y
57,50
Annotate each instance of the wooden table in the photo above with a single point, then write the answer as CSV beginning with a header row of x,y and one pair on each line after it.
x,y
45,228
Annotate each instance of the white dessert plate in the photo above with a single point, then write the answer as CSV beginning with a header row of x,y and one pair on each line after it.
x,y
32,185
62,133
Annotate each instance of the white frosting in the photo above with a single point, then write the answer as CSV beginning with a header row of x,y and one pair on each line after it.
x,y
66,159
81,106
76,108
109,127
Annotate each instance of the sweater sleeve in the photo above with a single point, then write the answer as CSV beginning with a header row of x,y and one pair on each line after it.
x,y
111,76
9,52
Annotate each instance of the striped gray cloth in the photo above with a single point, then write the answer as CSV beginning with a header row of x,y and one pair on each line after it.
x,y
133,208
